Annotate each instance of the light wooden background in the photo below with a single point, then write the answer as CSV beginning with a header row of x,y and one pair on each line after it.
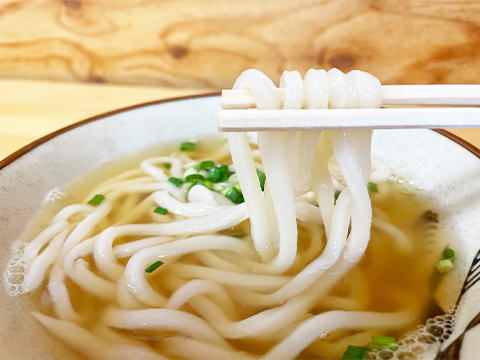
x,y
207,43
65,60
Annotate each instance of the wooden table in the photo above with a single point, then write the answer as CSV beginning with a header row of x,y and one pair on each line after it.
x,y
31,109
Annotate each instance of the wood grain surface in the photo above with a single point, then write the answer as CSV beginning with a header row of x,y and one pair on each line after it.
x,y
206,44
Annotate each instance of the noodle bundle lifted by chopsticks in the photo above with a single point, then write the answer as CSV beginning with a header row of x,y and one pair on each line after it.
x,y
158,252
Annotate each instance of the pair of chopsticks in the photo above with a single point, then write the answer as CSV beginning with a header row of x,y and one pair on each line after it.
x,y
464,114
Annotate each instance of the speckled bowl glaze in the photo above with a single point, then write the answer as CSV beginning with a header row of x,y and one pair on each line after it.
x,y
446,170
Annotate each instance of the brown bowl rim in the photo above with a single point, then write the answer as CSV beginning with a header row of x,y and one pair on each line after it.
x,y
27,148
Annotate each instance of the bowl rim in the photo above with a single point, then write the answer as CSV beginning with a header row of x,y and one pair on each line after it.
x,y
29,147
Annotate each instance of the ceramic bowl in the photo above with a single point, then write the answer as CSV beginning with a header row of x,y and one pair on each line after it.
x,y
446,169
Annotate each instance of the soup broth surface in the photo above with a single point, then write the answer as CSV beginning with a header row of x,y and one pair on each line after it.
x,y
390,277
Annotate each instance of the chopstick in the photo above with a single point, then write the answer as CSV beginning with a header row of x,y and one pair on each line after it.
x,y
337,119
348,119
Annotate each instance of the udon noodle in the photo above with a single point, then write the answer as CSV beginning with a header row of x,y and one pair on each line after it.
x,y
264,278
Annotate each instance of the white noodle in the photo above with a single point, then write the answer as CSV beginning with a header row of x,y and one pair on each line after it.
x,y
208,276
90,345
164,319
312,328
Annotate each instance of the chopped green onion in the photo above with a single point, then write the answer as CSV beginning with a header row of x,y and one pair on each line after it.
x,y
241,236
233,178
234,195
219,173
336,194
444,265
393,346
189,171
206,165
225,190
167,166
204,173
224,171
354,353
372,187
175,181
384,340
215,175
374,346
262,178
187,146
218,186
207,183
448,254
154,266
96,200
186,186
160,210
194,177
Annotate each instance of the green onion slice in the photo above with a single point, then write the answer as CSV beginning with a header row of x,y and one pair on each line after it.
x,y
262,178
374,346
206,165
393,346
154,266
186,186
175,181
233,178
219,173
372,187
204,173
167,166
384,340
336,194
225,190
215,175
207,183
234,195
187,146
444,265
194,178
448,254
96,200
224,171
160,210
354,353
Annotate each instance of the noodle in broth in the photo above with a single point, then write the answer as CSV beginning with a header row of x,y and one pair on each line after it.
x,y
285,274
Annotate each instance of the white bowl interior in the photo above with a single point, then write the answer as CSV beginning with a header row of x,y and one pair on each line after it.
x,y
447,173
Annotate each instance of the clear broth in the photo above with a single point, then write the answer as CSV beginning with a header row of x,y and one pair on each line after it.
x,y
380,282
